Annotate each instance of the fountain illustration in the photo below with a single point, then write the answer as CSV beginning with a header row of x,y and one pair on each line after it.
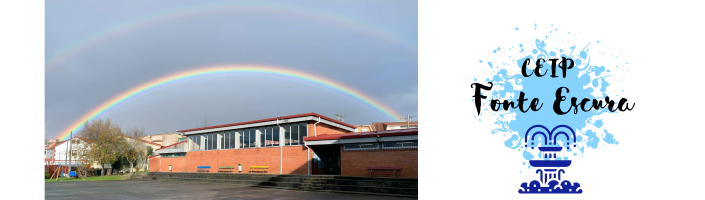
x,y
550,144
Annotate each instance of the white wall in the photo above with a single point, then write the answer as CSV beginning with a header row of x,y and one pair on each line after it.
x,y
60,151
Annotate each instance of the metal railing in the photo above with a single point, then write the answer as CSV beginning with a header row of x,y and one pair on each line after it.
x,y
379,146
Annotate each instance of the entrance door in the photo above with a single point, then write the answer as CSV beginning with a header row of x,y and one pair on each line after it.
x,y
326,160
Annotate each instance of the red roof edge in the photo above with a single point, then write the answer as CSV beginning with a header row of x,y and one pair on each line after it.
x,y
271,119
56,144
386,133
172,145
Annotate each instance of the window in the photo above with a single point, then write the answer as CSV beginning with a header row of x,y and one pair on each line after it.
x,y
361,146
223,140
231,140
303,132
275,136
214,141
401,145
287,134
271,138
173,155
195,142
250,138
227,140
294,134
211,141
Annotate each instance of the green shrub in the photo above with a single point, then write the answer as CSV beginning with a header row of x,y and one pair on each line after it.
x,y
47,175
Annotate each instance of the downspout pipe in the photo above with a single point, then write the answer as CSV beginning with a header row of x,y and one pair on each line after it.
x,y
308,150
281,151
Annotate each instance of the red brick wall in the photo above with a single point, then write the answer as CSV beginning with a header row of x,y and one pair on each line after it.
x,y
162,164
294,160
324,129
355,163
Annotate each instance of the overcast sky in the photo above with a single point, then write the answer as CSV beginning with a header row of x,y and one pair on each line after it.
x,y
367,45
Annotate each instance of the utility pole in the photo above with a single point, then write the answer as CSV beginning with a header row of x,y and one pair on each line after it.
x,y
67,149
70,151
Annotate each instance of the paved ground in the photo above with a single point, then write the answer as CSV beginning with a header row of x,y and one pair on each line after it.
x,y
173,190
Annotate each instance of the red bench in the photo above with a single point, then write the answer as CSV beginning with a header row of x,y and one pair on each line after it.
x,y
384,168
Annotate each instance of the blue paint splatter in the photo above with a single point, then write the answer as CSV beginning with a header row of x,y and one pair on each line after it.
x,y
513,142
609,138
598,123
592,140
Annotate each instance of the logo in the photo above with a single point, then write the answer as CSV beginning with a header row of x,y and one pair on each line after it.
x,y
550,144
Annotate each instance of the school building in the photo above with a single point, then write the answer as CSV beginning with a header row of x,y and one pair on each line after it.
x,y
305,144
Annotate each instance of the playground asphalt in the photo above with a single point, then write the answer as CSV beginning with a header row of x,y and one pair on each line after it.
x,y
173,190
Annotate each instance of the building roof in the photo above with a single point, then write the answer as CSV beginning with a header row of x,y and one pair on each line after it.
x,y
56,144
386,133
148,142
380,126
164,147
271,119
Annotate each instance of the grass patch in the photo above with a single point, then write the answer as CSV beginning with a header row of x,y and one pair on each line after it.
x,y
91,178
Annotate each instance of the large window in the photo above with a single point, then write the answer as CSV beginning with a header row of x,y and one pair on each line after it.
x,y
271,137
275,135
227,141
294,133
211,141
267,136
249,138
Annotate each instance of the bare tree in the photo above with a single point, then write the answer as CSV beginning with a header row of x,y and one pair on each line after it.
x,y
134,148
106,141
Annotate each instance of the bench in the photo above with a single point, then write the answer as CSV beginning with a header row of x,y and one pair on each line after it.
x,y
203,169
384,168
226,168
262,169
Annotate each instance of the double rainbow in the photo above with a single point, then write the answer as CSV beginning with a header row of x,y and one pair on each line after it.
x,y
258,69
364,27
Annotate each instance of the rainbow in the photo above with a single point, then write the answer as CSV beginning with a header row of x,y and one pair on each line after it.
x,y
193,10
228,69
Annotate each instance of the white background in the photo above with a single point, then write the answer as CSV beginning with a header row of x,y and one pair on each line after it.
x,y
659,154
